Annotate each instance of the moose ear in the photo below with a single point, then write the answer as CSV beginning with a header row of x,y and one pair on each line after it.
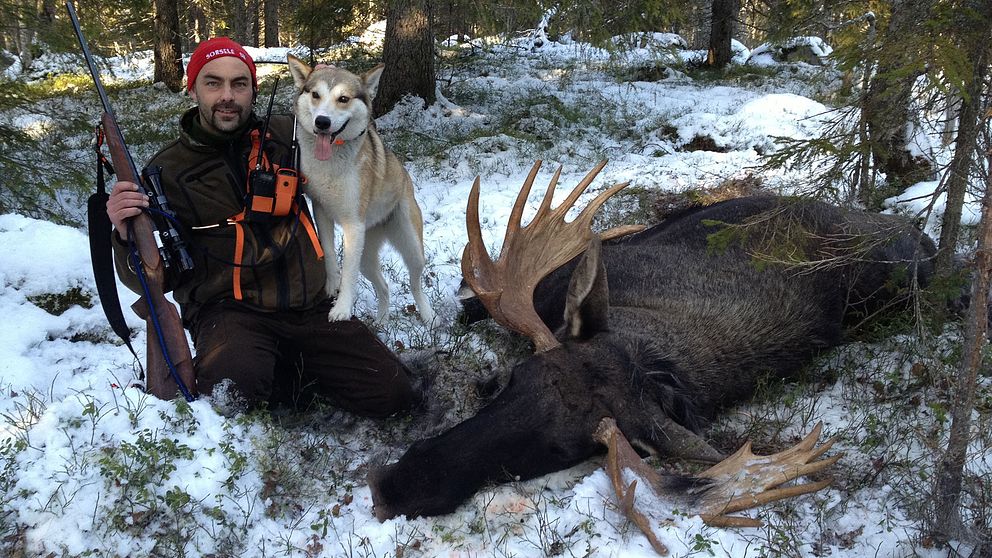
x,y
588,302
299,69
371,79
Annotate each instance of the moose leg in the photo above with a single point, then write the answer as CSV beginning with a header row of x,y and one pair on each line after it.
x,y
664,436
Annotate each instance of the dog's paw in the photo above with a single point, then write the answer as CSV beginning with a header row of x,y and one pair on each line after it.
x,y
339,314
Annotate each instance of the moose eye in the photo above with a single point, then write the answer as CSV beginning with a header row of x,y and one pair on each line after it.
x,y
343,99
315,95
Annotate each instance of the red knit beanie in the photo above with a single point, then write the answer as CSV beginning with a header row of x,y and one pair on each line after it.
x,y
215,48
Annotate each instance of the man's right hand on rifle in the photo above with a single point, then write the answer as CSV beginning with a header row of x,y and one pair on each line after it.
x,y
126,200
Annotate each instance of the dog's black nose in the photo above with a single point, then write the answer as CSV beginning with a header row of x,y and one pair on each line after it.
x,y
322,123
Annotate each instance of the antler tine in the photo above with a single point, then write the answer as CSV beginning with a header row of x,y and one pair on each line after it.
x,y
754,500
516,214
592,207
476,263
474,228
579,189
549,194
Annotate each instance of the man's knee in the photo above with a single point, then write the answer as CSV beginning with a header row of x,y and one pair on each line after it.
x,y
380,394
247,380
399,396
231,352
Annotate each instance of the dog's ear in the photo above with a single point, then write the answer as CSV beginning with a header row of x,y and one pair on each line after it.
x,y
371,80
299,69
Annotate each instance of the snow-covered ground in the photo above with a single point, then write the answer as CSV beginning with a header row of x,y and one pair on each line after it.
x,y
91,465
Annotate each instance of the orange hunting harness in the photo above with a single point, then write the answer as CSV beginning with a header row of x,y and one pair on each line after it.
x,y
282,201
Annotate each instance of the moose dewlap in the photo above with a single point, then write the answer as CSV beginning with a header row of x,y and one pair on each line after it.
x,y
657,330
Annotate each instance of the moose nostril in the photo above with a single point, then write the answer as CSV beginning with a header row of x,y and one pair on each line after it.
x,y
322,123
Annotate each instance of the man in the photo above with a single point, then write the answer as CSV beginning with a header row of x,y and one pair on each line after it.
x,y
255,301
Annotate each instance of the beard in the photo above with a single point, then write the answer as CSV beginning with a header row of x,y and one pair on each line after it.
x,y
225,116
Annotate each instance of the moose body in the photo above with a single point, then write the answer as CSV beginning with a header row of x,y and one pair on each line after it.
x,y
661,330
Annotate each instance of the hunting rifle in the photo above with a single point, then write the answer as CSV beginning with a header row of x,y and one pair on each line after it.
x,y
169,364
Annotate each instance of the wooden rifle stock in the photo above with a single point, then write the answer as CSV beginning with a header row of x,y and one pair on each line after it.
x,y
158,380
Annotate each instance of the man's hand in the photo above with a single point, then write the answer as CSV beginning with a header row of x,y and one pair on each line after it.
x,y
126,200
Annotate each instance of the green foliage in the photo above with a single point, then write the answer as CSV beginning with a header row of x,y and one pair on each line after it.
x,y
840,161
140,470
954,28
770,239
321,24
700,544
47,165
596,21
57,303
593,21
111,27
10,448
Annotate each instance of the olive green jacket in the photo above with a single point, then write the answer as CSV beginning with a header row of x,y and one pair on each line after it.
x,y
204,179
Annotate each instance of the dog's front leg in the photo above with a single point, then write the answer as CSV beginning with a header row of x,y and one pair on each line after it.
x,y
325,228
353,236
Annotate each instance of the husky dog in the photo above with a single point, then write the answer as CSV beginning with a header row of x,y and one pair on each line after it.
x,y
356,183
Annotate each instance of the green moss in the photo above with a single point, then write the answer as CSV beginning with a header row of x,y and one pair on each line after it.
x,y
57,303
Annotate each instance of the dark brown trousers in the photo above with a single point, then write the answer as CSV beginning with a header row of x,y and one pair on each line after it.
x,y
292,356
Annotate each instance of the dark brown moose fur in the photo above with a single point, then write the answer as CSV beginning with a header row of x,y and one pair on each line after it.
x,y
679,321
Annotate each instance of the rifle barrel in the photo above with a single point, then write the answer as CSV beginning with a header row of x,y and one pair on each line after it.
x,y
95,72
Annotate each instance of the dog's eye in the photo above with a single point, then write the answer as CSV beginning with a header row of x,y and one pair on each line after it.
x,y
343,99
315,95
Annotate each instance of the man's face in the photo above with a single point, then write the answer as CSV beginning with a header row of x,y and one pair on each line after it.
x,y
224,94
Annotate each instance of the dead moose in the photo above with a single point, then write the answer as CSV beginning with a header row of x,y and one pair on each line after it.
x,y
657,331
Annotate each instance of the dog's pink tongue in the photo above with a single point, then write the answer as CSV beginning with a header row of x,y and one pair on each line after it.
x,y
322,147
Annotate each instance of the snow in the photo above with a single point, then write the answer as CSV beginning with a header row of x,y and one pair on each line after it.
x,y
69,406
767,54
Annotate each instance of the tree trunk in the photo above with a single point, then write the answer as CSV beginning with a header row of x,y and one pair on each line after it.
x,y
271,10
864,180
724,14
168,45
969,126
25,34
452,19
254,9
886,105
950,471
239,16
698,27
972,123
198,24
951,109
408,55
46,11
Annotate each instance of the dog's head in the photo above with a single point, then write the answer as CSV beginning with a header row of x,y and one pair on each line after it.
x,y
332,104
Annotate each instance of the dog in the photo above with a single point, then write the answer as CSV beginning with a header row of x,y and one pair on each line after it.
x,y
354,181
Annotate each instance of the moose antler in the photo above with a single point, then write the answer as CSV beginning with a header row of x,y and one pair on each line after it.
x,y
506,286
742,481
